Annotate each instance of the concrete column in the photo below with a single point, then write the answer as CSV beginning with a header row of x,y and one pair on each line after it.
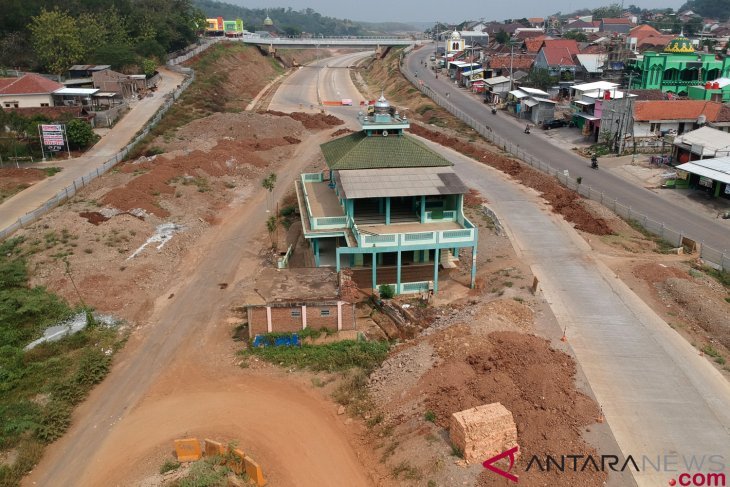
x,y
268,319
423,209
436,271
387,210
339,315
460,209
304,317
397,280
315,244
473,266
374,265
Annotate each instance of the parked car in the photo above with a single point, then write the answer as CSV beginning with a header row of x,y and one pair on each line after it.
x,y
553,124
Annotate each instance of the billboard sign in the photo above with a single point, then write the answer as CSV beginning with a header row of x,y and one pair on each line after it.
x,y
53,137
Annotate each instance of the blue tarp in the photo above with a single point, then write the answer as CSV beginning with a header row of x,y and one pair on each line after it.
x,y
280,341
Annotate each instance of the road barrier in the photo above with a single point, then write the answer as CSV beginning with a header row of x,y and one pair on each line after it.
x,y
712,257
69,191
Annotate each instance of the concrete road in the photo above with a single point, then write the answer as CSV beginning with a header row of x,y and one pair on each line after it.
x,y
114,141
322,80
658,395
713,232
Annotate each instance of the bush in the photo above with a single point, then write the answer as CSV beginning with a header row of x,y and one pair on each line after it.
x,y
169,466
430,416
328,357
386,291
80,134
54,422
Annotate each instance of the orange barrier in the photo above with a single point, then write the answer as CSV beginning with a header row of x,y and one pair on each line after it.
x,y
254,472
337,103
187,450
215,448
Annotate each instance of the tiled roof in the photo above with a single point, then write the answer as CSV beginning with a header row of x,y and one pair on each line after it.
x,y
654,41
535,20
646,111
520,61
593,49
570,44
28,84
534,44
579,24
616,21
530,34
558,56
646,95
643,30
358,151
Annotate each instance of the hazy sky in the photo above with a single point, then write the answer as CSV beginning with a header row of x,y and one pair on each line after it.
x,y
445,11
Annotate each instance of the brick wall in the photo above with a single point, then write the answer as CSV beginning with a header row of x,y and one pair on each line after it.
x,y
290,318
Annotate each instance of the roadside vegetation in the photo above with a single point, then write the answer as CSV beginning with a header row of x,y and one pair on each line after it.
x,y
40,387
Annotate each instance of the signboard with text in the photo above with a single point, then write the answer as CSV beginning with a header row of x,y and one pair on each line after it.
x,y
53,137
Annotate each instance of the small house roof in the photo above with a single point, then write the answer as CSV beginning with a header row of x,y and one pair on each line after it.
x,y
705,141
76,91
358,151
28,84
717,169
558,56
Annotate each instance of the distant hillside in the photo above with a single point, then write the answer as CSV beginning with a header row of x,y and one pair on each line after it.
x,y
286,20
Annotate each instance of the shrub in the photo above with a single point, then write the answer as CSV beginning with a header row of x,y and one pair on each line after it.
x,y
430,416
169,466
55,420
330,356
386,291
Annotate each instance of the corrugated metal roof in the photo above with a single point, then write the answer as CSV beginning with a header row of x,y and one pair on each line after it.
x,y
358,151
717,169
374,183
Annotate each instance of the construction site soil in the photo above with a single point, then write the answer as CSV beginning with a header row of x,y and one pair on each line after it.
x,y
14,180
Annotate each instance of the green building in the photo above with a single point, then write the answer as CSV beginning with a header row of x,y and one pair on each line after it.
x,y
387,207
677,68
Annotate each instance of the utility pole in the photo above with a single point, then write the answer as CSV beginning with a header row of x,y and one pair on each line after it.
x,y
511,58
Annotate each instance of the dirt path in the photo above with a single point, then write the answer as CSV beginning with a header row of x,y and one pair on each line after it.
x,y
174,378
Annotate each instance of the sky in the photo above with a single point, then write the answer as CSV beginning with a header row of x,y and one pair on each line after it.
x,y
444,11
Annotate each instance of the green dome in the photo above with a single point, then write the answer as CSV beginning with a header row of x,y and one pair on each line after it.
x,y
680,45
268,21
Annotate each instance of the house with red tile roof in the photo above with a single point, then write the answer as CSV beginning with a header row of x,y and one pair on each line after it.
x,y
29,90
570,44
501,64
534,44
653,118
644,37
556,60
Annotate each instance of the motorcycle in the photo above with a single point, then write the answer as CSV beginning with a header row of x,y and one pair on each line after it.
x,y
494,111
527,129
594,163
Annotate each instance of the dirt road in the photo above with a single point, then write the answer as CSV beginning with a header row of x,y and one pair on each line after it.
x,y
177,377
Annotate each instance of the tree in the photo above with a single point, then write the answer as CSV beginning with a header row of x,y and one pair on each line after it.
x,y
610,12
271,225
56,40
540,78
577,35
268,184
80,135
148,67
502,37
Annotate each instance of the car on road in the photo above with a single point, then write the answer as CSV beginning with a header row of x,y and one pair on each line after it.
x,y
553,124
346,102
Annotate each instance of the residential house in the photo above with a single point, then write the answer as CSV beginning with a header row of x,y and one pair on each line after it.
x,y
618,26
537,22
588,100
677,68
29,90
643,37
84,71
590,66
531,104
501,65
653,120
387,207
113,82
533,45
557,61
581,26
497,88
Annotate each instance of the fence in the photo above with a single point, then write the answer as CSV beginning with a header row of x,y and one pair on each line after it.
x,y
69,191
712,257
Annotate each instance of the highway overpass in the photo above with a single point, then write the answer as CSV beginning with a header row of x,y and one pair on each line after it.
x,y
325,42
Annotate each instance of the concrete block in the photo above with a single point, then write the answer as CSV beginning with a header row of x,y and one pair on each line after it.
x,y
214,448
254,472
188,450
483,431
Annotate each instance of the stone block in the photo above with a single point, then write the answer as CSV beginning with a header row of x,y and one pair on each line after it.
x,y
188,450
215,448
254,472
483,431
236,462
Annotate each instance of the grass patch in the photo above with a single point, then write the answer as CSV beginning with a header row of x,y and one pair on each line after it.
x,y
709,350
40,387
169,466
456,451
352,393
406,471
720,360
430,416
329,357
50,171
662,246
723,277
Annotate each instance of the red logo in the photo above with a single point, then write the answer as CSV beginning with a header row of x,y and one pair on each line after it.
x,y
489,464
